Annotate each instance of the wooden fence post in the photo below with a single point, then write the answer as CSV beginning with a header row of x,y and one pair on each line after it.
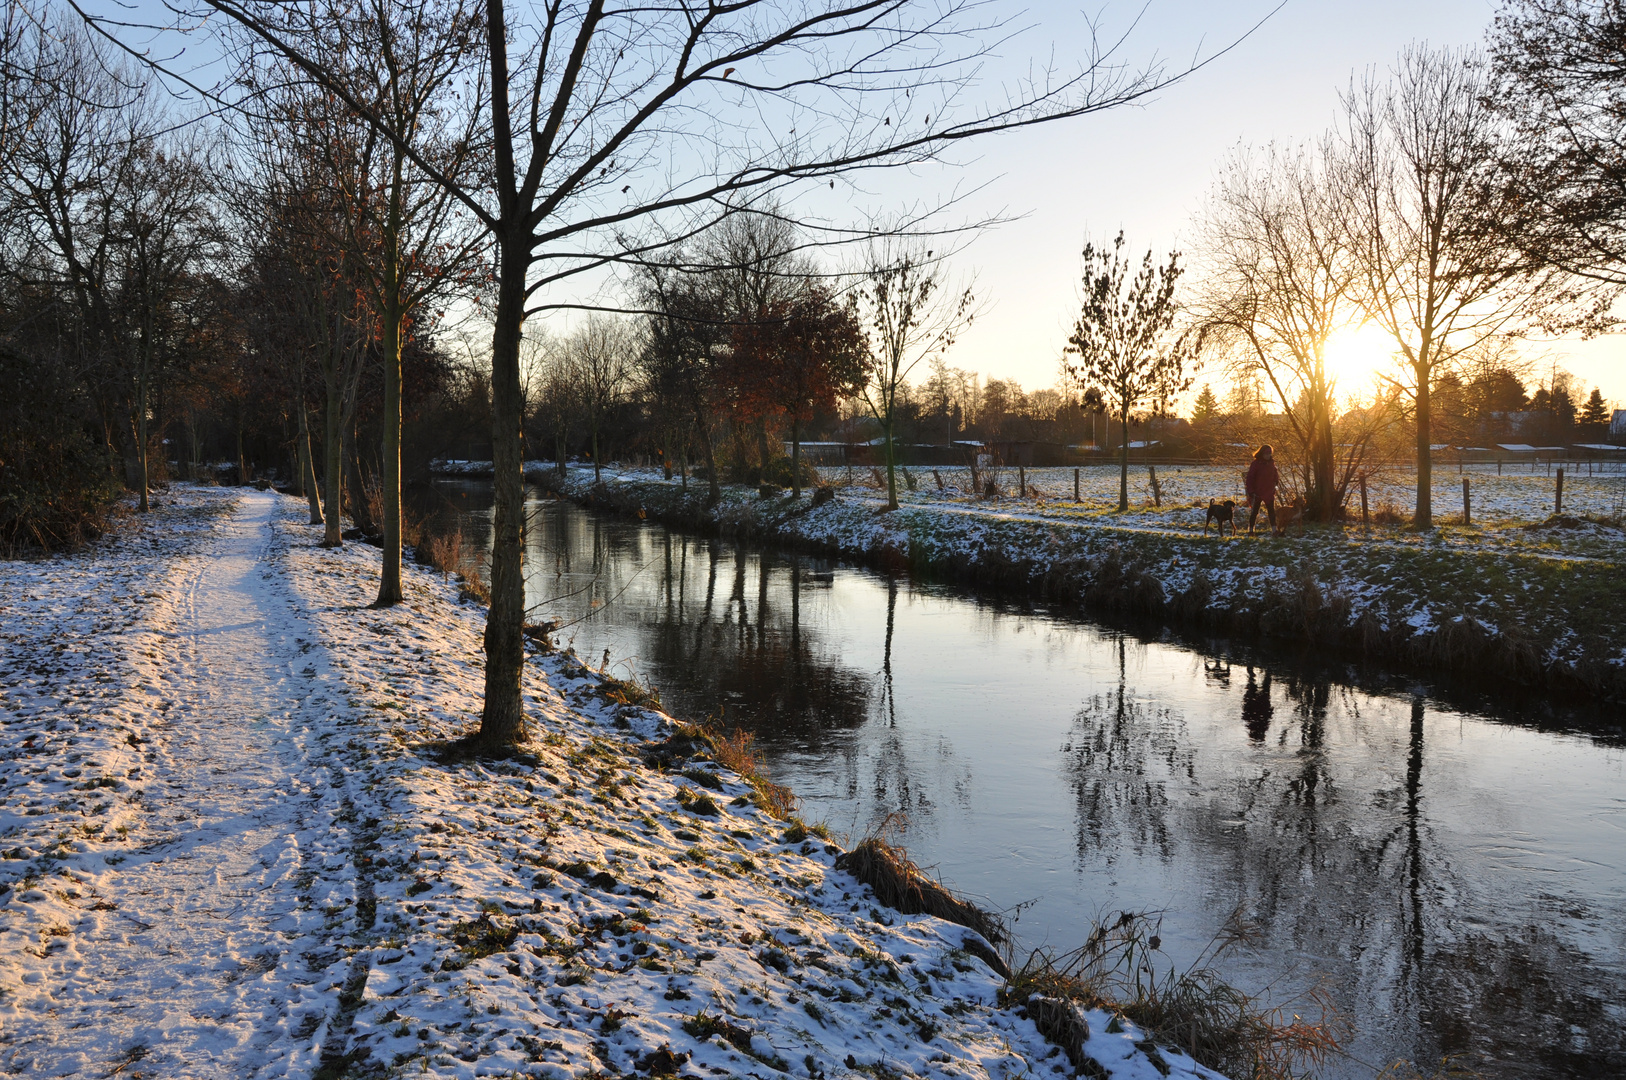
x,y
1157,491
1021,482
1075,486
1558,494
1366,517
1466,511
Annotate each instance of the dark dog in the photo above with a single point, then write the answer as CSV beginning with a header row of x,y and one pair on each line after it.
x,y
1220,514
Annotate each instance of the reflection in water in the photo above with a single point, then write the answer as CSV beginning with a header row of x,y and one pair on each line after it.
x,y
1122,756
1456,877
1256,708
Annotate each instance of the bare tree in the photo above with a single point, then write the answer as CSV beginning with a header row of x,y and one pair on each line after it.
x,y
290,199
1558,80
412,242
600,359
688,336
1278,279
557,405
1440,266
1126,340
164,235
907,316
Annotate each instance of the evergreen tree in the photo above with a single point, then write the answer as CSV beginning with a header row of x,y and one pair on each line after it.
x,y
1206,406
1595,412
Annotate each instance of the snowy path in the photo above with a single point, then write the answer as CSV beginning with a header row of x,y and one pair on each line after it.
x,y
189,948
228,848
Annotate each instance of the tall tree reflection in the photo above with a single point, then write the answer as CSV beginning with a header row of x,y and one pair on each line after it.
x,y
1121,755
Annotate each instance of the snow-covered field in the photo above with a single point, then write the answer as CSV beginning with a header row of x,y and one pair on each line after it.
x,y
229,850
1512,497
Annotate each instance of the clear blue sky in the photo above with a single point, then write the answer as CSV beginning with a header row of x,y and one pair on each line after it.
x,y
1147,169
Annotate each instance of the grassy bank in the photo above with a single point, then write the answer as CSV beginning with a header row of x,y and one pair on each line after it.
x,y
1537,603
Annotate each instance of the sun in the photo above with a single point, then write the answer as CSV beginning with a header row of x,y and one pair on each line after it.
x,y
1355,354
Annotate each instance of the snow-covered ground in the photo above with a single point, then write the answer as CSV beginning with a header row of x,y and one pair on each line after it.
x,y
230,850
1516,496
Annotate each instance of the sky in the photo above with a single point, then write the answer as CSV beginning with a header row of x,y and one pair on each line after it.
x,y
1147,169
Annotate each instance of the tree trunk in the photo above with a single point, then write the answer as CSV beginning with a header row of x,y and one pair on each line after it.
x,y
715,494
502,723
141,427
736,435
361,512
1424,518
1123,466
307,463
296,467
891,465
195,444
597,470
389,584
795,458
333,461
1320,503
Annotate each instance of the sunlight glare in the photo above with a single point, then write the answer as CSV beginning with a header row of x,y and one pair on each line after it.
x,y
1356,354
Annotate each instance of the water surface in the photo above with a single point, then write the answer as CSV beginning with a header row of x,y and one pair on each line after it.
x,y
1447,864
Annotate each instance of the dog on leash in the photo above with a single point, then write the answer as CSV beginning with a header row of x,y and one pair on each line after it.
x,y
1291,514
1220,514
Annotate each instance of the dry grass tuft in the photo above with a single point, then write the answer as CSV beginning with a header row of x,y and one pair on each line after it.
x,y
629,692
800,831
1060,1021
1194,1009
903,886
451,554
735,750
1387,513
697,802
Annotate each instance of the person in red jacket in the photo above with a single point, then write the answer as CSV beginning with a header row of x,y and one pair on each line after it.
x,y
1261,487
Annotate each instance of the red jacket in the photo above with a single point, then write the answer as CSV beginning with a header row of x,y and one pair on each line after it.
x,y
1262,479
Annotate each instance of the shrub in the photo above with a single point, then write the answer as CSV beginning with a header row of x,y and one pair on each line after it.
x,y
451,554
1193,1009
56,481
900,884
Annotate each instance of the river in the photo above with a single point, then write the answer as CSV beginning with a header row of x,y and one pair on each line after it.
x,y
1446,863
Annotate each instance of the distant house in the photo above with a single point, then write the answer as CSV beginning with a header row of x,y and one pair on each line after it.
x,y
1617,426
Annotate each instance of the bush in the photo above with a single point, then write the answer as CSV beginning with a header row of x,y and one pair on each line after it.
x,y
1117,969
56,481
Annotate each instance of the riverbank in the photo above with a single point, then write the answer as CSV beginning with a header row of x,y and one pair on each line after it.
x,y
1536,603
232,842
